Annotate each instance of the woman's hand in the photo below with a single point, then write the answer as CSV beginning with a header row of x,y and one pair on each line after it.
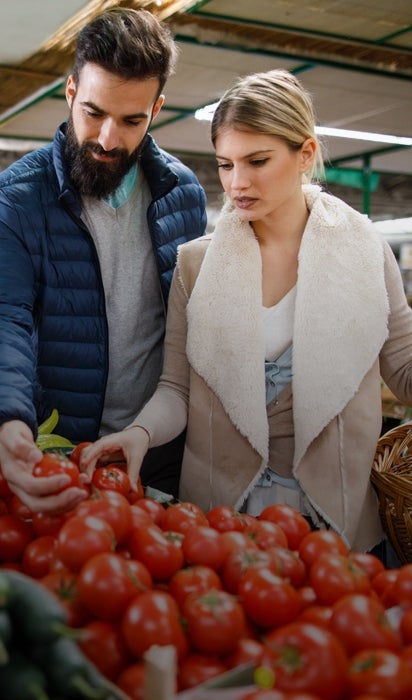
x,y
18,455
130,444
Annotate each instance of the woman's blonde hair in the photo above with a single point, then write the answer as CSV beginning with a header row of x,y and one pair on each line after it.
x,y
273,103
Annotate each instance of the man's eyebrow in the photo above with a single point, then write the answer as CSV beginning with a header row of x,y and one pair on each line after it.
x,y
95,108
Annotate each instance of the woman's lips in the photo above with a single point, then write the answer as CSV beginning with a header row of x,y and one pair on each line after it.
x,y
244,202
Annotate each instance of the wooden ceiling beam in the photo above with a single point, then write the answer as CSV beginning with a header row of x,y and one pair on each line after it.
x,y
309,46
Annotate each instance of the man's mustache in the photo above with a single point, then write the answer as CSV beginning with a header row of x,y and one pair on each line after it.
x,y
99,150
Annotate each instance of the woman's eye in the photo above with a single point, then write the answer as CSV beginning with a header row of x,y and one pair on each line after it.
x,y
257,162
224,166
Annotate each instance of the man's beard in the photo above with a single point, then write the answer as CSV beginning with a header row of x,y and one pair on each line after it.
x,y
93,177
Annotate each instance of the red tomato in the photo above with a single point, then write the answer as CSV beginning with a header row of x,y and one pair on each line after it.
x,y
111,506
266,534
235,539
287,564
198,668
268,600
155,509
81,537
368,696
193,579
15,535
17,507
384,585
247,650
214,621
360,622
76,452
104,646
402,589
47,523
316,615
238,562
307,658
307,596
132,681
111,477
106,584
321,542
180,517
405,626
380,671
53,463
204,545
333,575
406,654
38,556
368,562
140,517
5,490
225,518
272,694
63,585
153,617
293,524
136,494
160,553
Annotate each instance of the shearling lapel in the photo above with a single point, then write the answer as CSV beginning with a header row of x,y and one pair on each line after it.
x,y
339,328
225,342
340,314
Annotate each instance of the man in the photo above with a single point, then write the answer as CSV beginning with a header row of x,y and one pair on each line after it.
x,y
89,229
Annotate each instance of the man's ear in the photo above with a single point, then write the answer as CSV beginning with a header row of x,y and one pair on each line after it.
x,y
158,106
70,90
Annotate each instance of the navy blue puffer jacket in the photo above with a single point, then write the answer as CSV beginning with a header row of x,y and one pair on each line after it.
x,y
53,327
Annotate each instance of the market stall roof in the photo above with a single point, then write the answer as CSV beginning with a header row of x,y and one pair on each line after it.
x,y
355,57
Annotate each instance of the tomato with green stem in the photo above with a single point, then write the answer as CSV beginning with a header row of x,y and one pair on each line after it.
x,y
360,622
193,579
214,620
111,477
305,657
107,582
380,671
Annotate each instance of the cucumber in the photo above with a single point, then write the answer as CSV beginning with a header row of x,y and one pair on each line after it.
x,y
6,634
69,672
34,611
21,679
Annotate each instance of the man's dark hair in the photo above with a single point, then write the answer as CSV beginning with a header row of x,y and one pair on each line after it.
x,y
130,43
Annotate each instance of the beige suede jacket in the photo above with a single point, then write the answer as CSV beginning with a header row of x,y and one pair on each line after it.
x,y
352,325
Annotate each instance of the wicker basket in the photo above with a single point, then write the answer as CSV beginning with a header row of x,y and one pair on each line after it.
x,y
391,477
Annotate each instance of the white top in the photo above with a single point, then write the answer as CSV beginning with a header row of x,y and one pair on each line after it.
x,y
278,325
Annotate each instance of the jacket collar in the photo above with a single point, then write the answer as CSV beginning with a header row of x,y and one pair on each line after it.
x,y
340,318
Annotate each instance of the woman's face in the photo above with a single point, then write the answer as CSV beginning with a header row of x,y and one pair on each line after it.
x,y
259,173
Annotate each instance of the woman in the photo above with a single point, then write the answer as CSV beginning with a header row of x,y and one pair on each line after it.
x,y
280,326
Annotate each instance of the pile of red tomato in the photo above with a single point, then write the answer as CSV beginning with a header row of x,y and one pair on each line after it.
x,y
223,588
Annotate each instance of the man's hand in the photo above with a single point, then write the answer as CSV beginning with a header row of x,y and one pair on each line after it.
x,y
18,455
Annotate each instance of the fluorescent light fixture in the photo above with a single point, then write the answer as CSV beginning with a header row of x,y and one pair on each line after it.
x,y
21,145
206,114
364,136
